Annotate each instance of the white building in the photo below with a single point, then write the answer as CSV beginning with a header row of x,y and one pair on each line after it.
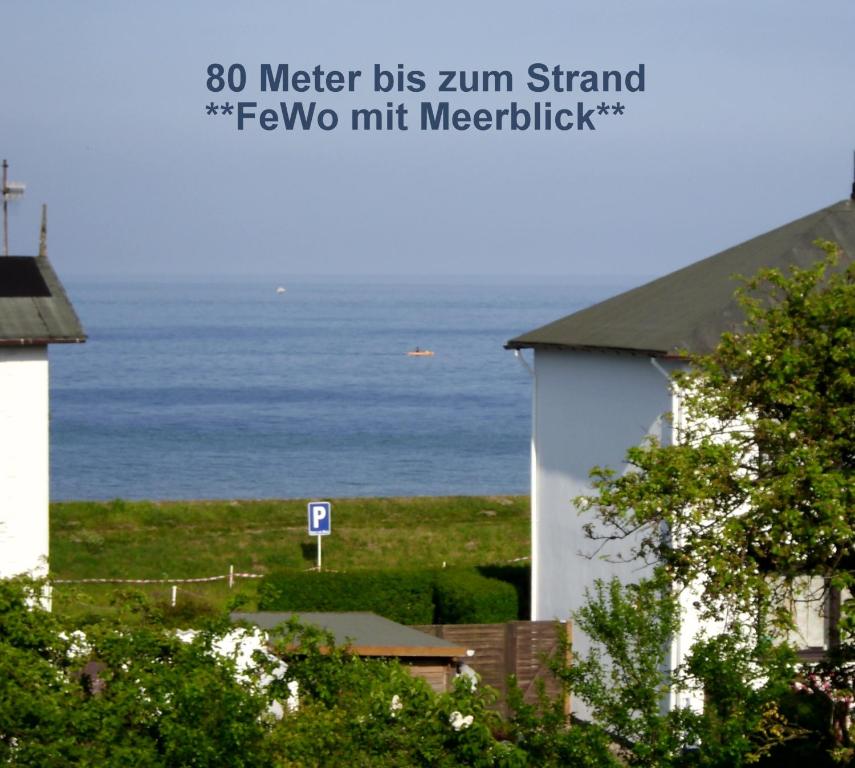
x,y
601,385
34,312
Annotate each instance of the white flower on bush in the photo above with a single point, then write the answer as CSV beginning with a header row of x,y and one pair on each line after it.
x,y
244,646
293,700
459,722
276,710
241,645
78,645
396,706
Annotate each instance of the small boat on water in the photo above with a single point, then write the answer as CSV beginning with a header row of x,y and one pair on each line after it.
x,y
280,289
420,353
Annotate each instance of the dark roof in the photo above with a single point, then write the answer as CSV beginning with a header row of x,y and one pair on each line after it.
x,y
366,633
34,308
689,309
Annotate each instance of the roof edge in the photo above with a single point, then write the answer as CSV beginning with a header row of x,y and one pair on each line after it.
x,y
43,342
581,329
517,345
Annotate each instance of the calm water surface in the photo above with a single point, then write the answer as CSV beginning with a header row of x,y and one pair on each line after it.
x,y
230,390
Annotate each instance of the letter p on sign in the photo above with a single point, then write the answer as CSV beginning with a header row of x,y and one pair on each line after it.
x,y
319,518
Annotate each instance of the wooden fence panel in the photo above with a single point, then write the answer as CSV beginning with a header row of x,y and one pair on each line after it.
x,y
519,648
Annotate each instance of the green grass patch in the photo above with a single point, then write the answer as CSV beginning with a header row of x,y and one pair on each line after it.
x,y
188,539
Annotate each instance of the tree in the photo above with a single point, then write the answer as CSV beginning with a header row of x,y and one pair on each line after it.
x,y
756,494
625,676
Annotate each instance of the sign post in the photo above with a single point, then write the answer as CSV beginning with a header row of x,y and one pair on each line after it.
x,y
320,524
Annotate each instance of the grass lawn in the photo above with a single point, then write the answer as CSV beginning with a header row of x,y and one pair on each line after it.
x,y
188,539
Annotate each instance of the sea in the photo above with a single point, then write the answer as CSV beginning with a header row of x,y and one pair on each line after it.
x,y
227,389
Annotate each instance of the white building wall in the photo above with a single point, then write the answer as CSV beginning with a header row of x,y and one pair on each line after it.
x,y
589,408
23,460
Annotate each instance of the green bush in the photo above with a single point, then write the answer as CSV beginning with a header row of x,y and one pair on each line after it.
x,y
518,575
372,713
454,596
157,701
402,596
464,596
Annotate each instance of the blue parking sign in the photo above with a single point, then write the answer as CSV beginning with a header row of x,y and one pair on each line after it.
x,y
319,518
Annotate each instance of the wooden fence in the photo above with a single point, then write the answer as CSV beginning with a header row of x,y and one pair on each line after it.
x,y
519,648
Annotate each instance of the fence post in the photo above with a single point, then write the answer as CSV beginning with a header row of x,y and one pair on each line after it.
x,y
231,576
174,594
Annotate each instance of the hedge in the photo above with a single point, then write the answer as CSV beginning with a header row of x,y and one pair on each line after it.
x,y
402,596
453,596
519,576
466,597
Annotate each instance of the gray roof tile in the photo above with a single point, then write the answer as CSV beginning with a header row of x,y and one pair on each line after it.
x,y
689,309
34,308
363,631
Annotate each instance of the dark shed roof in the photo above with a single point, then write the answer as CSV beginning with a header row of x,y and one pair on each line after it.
x,y
34,308
366,633
689,309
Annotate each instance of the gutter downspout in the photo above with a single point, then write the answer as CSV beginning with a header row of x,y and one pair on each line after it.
x,y
655,363
519,356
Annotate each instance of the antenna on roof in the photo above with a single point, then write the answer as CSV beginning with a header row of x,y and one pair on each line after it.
x,y
10,189
43,232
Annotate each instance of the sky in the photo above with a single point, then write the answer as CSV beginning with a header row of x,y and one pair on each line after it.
x,y
746,121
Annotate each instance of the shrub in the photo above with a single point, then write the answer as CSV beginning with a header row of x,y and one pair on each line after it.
x,y
464,596
156,702
518,575
159,700
454,596
369,713
402,596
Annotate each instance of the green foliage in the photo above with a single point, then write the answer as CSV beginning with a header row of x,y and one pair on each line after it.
x,y
821,703
519,576
744,679
188,611
543,732
156,701
624,678
366,712
757,497
466,597
760,480
448,596
402,596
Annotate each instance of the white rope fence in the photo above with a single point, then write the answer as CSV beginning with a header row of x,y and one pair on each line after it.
x,y
230,577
